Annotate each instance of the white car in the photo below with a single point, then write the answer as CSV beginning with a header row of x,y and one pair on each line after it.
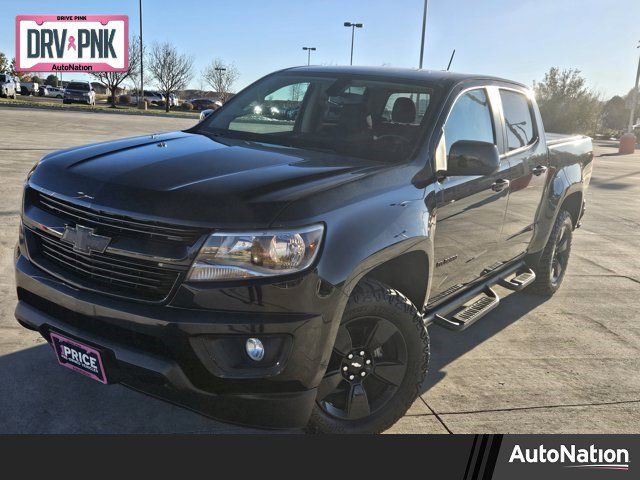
x,y
7,86
53,92
79,92
149,96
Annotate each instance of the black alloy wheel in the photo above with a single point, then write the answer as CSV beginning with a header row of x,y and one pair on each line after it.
x,y
368,364
376,366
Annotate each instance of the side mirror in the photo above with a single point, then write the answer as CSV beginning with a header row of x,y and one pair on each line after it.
x,y
470,157
205,113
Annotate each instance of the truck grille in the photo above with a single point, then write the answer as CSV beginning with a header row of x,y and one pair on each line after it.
x,y
106,272
117,271
110,224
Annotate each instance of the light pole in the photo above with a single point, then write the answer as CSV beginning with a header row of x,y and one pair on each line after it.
x,y
424,31
309,50
634,97
353,32
141,93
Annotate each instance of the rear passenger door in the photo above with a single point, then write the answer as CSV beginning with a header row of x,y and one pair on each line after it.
x,y
528,166
470,209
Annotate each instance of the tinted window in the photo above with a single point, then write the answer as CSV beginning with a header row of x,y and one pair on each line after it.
x,y
420,101
351,115
470,119
275,113
3,78
517,118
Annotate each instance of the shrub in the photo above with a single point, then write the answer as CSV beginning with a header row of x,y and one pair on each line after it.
x,y
124,100
187,106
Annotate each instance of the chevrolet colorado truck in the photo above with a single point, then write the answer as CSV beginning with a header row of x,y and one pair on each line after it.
x,y
281,269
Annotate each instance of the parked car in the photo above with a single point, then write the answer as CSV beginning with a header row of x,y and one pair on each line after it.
x,y
29,88
150,96
50,91
283,273
79,92
7,86
203,103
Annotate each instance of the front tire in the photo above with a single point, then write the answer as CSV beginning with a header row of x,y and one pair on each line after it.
x,y
552,265
378,363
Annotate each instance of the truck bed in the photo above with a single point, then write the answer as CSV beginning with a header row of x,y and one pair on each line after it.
x,y
554,139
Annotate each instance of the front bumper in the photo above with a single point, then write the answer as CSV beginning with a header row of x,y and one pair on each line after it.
x,y
194,357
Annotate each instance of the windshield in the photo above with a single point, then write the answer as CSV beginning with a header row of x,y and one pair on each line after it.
x,y
352,115
78,86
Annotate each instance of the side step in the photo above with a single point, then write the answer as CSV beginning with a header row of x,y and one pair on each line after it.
x,y
471,313
519,281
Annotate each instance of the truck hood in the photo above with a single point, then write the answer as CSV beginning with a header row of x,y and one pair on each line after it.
x,y
191,178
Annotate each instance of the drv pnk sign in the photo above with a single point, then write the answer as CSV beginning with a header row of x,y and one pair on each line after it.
x,y
72,43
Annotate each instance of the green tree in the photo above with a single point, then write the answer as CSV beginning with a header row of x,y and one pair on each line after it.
x,y
12,68
615,113
4,65
51,80
566,104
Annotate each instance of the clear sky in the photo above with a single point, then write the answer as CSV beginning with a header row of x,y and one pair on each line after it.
x,y
517,39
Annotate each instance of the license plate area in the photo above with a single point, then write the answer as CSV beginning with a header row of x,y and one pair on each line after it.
x,y
79,357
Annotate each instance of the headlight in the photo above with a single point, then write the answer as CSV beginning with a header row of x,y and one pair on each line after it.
x,y
32,171
245,255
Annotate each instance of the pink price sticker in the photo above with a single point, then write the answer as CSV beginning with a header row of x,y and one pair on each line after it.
x,y
72,43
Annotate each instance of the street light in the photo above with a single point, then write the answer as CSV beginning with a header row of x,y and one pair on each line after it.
x,y
309,50
353,30
634,97
141,93
424,28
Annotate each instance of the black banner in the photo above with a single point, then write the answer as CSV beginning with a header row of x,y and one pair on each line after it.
x,y
440,457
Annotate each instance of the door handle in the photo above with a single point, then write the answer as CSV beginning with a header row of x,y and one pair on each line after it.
x,y
499,185
539,170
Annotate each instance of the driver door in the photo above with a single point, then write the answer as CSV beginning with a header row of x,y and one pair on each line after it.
x,y
470,209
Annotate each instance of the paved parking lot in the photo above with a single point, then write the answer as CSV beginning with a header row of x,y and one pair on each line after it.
x,y
567,365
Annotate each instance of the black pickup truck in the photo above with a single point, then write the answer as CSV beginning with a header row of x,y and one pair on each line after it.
x,y
278,263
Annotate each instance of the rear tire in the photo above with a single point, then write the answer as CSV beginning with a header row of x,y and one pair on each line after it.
x,y
389,346
552,265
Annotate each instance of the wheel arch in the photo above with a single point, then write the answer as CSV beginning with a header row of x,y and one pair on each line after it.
x,y
408,273
572,203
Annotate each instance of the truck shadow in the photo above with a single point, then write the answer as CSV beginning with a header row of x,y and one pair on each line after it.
x,y
447,346
39,396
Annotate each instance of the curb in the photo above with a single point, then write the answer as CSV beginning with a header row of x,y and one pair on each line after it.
x,y
107,110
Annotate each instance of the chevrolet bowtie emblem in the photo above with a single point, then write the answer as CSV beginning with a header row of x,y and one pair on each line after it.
x,y
84,240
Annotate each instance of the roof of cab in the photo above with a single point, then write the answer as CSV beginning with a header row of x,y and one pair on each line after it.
x,y
413,74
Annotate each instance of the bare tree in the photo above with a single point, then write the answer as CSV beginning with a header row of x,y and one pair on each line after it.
x,y
171,70
112,80
221,77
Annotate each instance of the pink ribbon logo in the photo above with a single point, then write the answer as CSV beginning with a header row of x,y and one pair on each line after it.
x,y
72,43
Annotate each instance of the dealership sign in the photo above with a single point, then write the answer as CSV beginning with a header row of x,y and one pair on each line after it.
x,y
72,43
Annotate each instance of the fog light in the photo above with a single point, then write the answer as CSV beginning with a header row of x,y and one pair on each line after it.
x,y
255,349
